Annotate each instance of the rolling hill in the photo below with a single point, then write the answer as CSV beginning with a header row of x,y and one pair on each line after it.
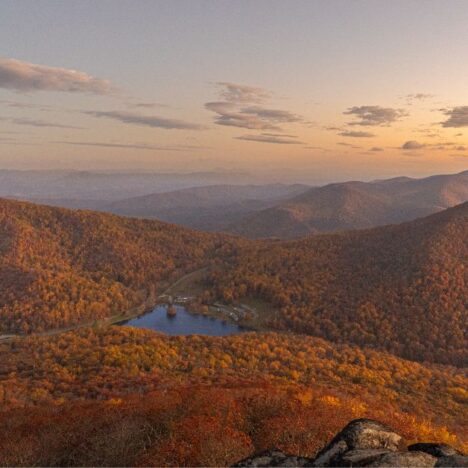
x,y
355,205
60,267
398,288
401,288
209,208
106,395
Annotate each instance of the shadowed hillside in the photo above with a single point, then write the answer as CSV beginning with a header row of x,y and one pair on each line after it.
x,y
356,205
208,208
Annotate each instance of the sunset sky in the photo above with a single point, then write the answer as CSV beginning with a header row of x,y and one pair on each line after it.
x,y
323,90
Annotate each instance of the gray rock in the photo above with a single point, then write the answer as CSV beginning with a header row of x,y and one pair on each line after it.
x,y
359,434
364,442
361,457
274,458
453,460
399,459
437,450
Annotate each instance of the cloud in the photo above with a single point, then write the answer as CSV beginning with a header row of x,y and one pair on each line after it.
x,y
321,148
374,115
22,105
146,120
149,105
376,149
412,145
457,117
266,138
229,115
25,76
136,146
420,96
39,123
233,92
356,134
281,135
349,145
411,98
274,115
240,108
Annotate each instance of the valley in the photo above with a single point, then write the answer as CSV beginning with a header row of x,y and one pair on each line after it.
x,y
233,233
303,328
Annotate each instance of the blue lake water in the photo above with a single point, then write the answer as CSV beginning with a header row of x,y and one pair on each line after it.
x,y
183,323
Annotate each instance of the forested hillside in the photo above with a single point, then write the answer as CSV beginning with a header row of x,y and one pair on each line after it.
x,y
207,401
399,288
106,395
60,267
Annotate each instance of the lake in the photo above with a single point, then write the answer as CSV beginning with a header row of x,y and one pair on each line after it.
x,y
183,323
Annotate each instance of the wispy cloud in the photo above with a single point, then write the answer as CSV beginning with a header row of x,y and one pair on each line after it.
x,y
153,121
457,117
356,134
270,138
23,105
349,145
241,107
417,97
135,146
233,92
25,76
412,145
39,123
374,115
149,105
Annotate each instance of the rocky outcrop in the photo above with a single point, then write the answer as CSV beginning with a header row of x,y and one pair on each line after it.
x,y
274,458
359,435
364,442
438,450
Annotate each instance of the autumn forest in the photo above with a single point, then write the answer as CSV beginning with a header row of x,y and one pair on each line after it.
x,y
359,323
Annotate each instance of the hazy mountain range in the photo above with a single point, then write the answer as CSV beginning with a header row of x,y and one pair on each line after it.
x,y
207,208
355,205
218,201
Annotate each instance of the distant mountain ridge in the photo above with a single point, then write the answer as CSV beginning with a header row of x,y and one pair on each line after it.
x,y
355,205
208,207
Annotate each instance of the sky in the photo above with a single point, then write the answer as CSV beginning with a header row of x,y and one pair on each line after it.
x,y
295,90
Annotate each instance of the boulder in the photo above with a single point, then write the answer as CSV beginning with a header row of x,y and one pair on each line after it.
x,y
359,434
364,442
453,460
437,450
398,459
274,458
361,457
